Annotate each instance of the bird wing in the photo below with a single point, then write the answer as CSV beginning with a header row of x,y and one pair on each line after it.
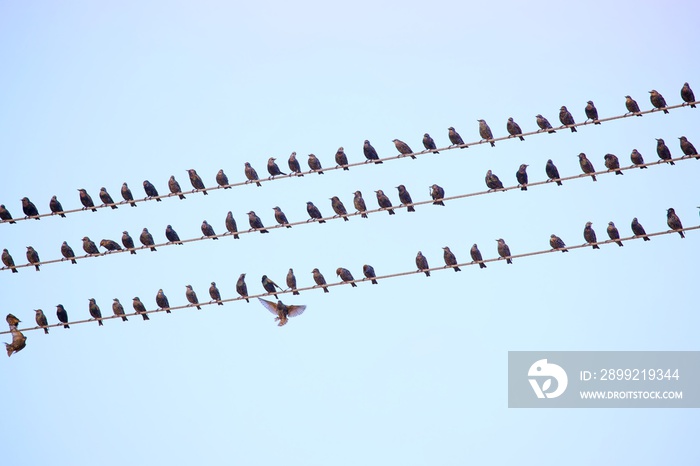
x,y
295,310
269,305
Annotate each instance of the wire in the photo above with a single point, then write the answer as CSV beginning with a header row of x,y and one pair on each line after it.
x,y
356,164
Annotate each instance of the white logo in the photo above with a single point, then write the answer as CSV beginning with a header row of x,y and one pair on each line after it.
x,y
542,368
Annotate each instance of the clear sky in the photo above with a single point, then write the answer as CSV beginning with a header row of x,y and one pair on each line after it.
x,y
411,371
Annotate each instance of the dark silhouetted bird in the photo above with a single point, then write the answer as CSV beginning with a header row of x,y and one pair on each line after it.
x,y
370,153
403,148
422,264
251,174
438,194
242,288
162,301
41,319
256,223
476,256
208,230
591,112
86,200
192,297
222,179
504,250
110,245
429,143
269,286
19,341
68,253
485,132
128,242
632,106
231,226
450,259
150,190
273,169
384,202
663,151
282,311
174,187
688,148
368,271
118,309
56,207
62,315
172,235
674,223
567,118
281,218
638,229
557,243
140,308
552,172
89,246
146,239
126,194
614,234
405,198
613,163
5,214
589,235
314,213
359,203
315,164
521,176
292,282
346,276
657,100
514,129
11,320
637,158
339,208
196,180
294,164
8,261
30,209
492,181
319,279
33,257
586,165
687,95
341,159
95,311
215,295
455,138
106,198
543,123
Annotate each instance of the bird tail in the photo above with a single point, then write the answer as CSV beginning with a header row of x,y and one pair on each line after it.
x,y
391,212
276,297
9,349
37,267
493,144
619,243
124,319
346,168
457,269
46,331
94,210
344,218
321,221
114,207
523,188
559,183
671,162
374,282
63,215
411,209
354,285
435,152
264,231
145,316
573,130
439,203
482,265
100,322
295,292
681,233
364,215
247,300
132,204
325,289
153,249
66,326
665,111
618,172
378,162
596,122
205,193
692,105
220,303
509,261
595,246
181,196
73,261
133,252
235,236
199,307
594,178
551,131
427,273
646,238
14,270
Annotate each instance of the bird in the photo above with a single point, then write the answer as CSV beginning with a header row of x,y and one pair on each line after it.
x,y
315,164
11,320
589,235
269,285
405,198
126,194
110,245
222,179
403,148
41,320
455,138
256,223
514,129
687,95
150,191
56,207
294,164
68,253
8,261
292,282
172,235
359,203
273,169
19,341
146,239
33,257
370,153
384,202
214,293
162,301
118,309
231,226
192,297
492,181
504,250
341,159
429,143
591,112
557,243
521,176
614,234
314,213
62,315
638,229
422,264
30,209
657,100
95,311
5,214
282,311
281,218
174,187
128,242
251,174
320,281
543,123
89,247
106,198
485,132
346,276
688,148
586,165
612,163
86,200
632,106
663,151
476,256
208,230
242,288
140,308
450,259
674,223
368,272
196,180
438,194
552,172
567,118
339,208
637,158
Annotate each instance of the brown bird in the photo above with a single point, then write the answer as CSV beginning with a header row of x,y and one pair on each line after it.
x,y
222,179
292,282
41,320
11,320
174,187
567,118
256,223
687,95
95,311
552,172
403,148
557,243
586,165
62,315
370,153
637,158
319,279
688,148
128,242
492,181
590,236
504,251
614,234
674,223
86,200
196,181
192,296
521,176
632,106
29,208
544,124
118,309
293,164
5,214
514,129
33,257
422,264
638,229
346,276
215,295
251,174
368,272
663,151
281,218
126,194
359,203
612,163
450,259
476,256
273,169
438,194
315,164
269,285
208,231
591,112
8,261
146,239
151,191
19,341
110,245
455,138
231,226
657,100
314,213
57,208
141,309
485,132
384,202
339,208
161,302
429,143
242,288
106,198
405,198
282,311
341,159
89,246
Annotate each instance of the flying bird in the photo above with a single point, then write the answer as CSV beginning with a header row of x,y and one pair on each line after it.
x,y
492,181
341,159
590,236
567,118
86,200
118,309
384,202
192,297
8,261
5,214
146,239
476,256
273,169
214,293
314,213
56,207
242,288
591,112
557,243
62,315
315,164
638,229
455,138
504,250
268,285
687,95
231,226
485,132
126,194
514,129
128,242
283,311
222,179
19,341
450,259
438,194
405,198
172,235
422,264
368,272
674,223
359,203
319,279
429,143
370,153
251,174
614,234
141,309
292,282
174,187
150,191
281,218
106,198
637,158
208,230
339,208
346,276
293,164
521,176
613,163
552,172
41,320
544,124
657,100
95,311
256,223
30,209
162,301
403,148
33,257
586,165
663,151
632,106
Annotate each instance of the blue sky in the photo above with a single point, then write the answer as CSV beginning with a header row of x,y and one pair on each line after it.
x,y
410,371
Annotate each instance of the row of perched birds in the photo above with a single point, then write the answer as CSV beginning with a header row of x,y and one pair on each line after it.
x,y
565,117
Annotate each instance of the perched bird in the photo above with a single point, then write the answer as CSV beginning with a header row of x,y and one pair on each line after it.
x,y
256,223
11,320
126,194
552,172
62,315
403,148
222,179
208,230
339,208
557,243
405,198
268,285
41,320
438,194
319,279
273,169
251,174
359,203
172,235
231,226
492,181
128,242
346,276
612,163
567,118
674,223
33,257
86,200
282,311
110,245
106,198
242,288
294,164
141,309
192,296
370,153
5,214
341,159
543,123
586,165
161,301
315,164
150,190
422,264
663,151
214,293
504,250
95,311
368,271
485,132
384,202
455,138
429,143
637,158
591,112
657,100
292,282
89,246
174,187
688,148
19,341
632,106
146,239
56,207
687,95
514,129
614,234
118,309
30,209
196,180
450,259
314,213
521,176
638,229
281,218
589,235
476,256
8,261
